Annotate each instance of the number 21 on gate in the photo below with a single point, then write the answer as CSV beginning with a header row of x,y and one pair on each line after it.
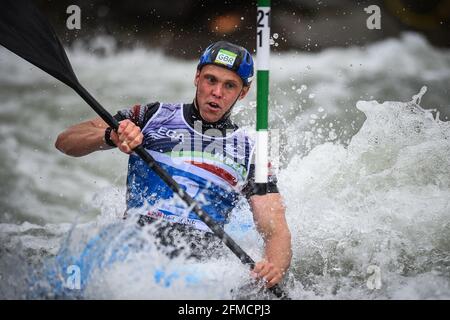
x,y
263,24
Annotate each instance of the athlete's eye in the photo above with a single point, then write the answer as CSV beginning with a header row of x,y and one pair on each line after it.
x,y
230,85
210,79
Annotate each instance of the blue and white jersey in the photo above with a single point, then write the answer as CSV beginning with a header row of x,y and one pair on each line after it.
x,y
211,168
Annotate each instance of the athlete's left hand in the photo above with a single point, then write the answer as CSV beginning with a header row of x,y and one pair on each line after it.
x,y
267,272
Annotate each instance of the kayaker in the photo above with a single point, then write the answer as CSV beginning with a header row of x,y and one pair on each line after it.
x,y
204,151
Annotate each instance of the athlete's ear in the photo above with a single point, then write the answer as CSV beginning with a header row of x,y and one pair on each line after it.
x,y
244,92
197,77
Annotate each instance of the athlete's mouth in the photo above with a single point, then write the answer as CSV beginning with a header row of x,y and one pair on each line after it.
x,y
214,105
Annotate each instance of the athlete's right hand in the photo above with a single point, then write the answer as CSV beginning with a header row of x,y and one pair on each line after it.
x,y
127,137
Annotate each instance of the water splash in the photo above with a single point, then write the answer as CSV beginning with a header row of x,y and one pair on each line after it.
x,y
417,97
381,201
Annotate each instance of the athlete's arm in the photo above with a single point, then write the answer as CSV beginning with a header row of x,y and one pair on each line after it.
x,y
89,136
269,216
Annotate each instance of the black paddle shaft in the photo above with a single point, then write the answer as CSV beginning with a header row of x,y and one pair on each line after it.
x,y
25,31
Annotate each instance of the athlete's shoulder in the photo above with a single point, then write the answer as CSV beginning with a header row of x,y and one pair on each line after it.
x,y
172,105
140,114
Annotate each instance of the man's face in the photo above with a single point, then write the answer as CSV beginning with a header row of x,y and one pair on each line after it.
x,y
217,90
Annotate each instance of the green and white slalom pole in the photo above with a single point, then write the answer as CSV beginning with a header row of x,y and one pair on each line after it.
x,y
262,95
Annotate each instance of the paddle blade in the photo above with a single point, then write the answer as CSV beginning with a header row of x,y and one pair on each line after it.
x,y
26,32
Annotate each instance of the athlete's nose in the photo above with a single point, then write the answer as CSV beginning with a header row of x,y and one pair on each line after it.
x,y
217,90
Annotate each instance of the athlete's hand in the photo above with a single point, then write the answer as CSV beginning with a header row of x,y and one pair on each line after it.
x,y
267,272
127,137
